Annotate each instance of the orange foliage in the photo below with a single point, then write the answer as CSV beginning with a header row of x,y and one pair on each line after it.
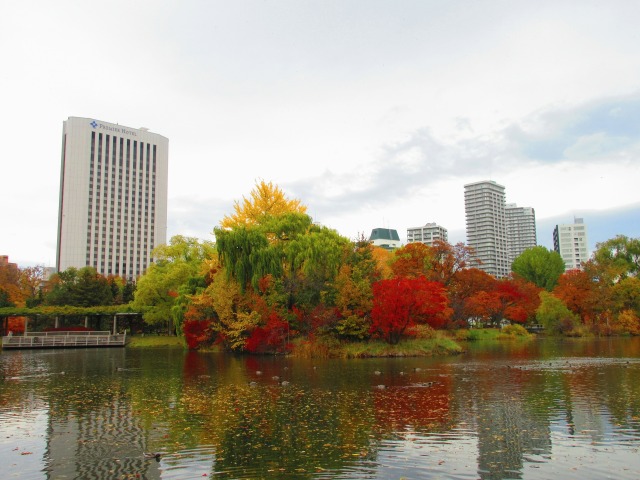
x,y
412,260
16,325
513,300
577,290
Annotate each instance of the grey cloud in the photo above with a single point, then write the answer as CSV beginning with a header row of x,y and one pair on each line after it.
x,y
608,129
588,131
400,170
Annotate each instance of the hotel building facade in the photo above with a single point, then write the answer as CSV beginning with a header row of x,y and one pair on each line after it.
x,y
113,197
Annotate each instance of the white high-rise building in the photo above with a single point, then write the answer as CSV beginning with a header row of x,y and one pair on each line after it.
x,y
484,205
521,229
113,197
427,234
570,241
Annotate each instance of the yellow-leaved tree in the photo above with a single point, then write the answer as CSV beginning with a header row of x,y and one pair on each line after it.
x,y
265,200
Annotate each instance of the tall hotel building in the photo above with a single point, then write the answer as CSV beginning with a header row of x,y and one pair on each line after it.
x,y
113,197
570,241
484,205
521,230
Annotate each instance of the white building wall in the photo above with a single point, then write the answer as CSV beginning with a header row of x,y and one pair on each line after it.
x,y
521,230
113,197
484,204
571,242
427,234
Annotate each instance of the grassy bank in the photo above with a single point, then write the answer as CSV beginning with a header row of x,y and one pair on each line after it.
x,y
437,344
512,332
415,347
148,341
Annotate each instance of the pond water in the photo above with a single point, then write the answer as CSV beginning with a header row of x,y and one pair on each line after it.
x,y
563,409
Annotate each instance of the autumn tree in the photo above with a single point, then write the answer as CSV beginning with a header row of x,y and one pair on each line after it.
x,y
508,299
540,266
175,264
446,260
383,258
412,260
620,256
579,292
464,285
10,283
354,292
626,295
401,303
265,200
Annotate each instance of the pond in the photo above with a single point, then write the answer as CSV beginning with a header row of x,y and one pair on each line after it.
x,y
567,409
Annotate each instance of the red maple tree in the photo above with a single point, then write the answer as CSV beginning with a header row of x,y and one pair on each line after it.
x,y
401,303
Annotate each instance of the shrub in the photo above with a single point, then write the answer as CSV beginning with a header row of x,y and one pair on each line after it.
x,y
627,323
270,338
515,330
353,327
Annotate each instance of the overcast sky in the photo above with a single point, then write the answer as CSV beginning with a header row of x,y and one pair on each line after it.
x,y
373,113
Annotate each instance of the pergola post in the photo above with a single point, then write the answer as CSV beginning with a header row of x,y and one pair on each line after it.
x,y
115,319
86,321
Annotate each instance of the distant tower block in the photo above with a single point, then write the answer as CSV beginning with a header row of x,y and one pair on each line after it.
x,y
484,204
570,241
521,229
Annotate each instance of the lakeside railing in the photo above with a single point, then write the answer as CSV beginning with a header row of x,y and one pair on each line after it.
x,y
64,340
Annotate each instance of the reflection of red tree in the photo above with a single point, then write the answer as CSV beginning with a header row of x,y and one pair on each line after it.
x,y
413,405
194,365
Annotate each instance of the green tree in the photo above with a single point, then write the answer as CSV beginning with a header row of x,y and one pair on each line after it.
x,y
620,256
83,287
554,315
175,264
540,266
288,247
5,301
626,295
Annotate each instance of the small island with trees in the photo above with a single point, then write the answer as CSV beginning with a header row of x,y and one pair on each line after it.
x,y
274,282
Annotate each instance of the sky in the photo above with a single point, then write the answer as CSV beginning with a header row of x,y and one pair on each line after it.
x,y
373,113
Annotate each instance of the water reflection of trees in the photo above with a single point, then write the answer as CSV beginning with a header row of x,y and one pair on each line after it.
x,y
328,418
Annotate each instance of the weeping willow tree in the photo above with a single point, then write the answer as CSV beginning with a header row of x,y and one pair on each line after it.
x,y
289,247
246,255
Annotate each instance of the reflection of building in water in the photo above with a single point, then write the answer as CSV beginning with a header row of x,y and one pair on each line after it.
x,y
505,420
507,433
103,442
